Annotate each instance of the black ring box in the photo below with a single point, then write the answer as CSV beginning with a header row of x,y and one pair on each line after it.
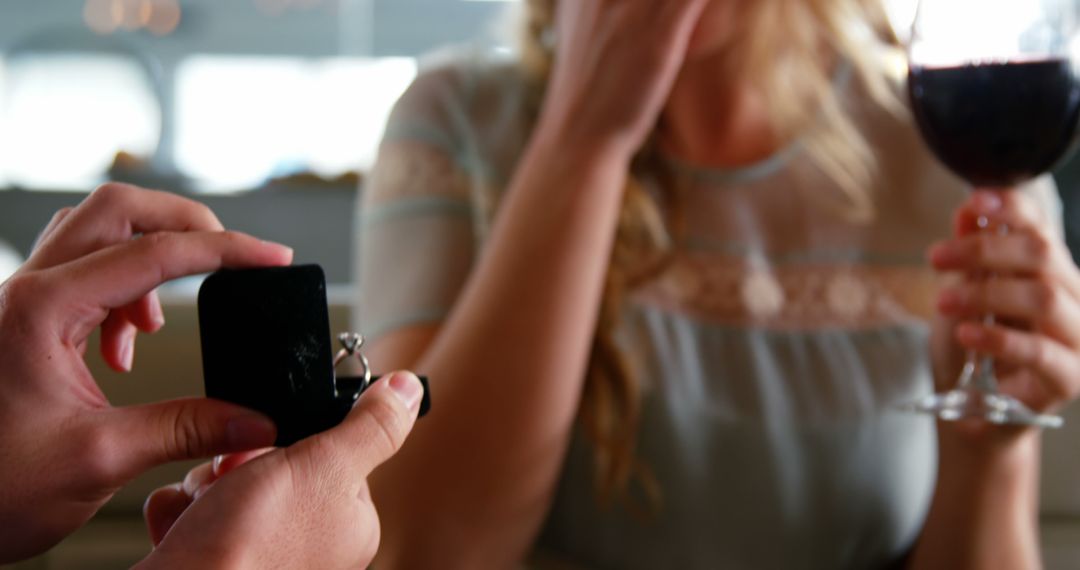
x,y
265,336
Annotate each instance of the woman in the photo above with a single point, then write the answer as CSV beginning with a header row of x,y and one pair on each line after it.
x,y
698,227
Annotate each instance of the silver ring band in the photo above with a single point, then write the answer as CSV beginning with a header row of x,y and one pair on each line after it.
x,y
351,343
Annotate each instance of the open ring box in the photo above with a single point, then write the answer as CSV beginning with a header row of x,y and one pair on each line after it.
x,y
266,345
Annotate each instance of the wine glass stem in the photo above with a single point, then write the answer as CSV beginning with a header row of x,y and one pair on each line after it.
x,y
978,374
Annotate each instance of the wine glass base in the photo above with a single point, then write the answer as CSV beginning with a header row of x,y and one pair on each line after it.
x,y
994,408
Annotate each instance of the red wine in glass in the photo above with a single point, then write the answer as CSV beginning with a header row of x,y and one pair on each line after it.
x,y
997,124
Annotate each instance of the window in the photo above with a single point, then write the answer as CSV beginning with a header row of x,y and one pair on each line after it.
x,y
241,120
208,95
65,115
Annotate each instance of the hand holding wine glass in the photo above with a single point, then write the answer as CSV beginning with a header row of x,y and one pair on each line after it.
x,y
996,94
1035,297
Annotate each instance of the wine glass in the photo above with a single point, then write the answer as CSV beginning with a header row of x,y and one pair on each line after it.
x,y
995,91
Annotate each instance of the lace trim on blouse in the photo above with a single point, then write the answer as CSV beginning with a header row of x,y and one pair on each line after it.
x,y
731,291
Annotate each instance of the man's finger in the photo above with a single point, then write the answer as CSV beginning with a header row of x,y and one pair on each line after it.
x,y
374,430
121,328
162,508
145,313
197,479
193,428
54,223
118,341
121,274
224,464
114,213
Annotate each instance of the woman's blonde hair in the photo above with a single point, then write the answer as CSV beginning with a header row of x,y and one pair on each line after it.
x,y
779,50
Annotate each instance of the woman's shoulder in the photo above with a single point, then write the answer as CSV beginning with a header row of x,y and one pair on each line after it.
x,y
459,89
472,106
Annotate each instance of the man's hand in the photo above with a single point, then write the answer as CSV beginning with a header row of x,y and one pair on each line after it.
x,y
305,506
64,451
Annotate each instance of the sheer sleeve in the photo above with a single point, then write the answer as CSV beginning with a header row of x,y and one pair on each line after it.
x,y
416,233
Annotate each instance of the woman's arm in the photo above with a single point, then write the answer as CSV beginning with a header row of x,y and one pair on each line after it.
x,y
528,311
985,509
474,484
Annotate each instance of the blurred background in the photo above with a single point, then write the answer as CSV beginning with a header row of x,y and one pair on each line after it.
x,y
228,100
269,111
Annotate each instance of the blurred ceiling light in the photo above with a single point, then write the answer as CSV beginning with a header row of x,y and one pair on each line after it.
x,y
144,11
240,120
279,7
130,14
159,17
99,16
164,18
116,12
65,115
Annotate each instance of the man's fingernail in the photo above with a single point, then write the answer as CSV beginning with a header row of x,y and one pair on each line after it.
x,y
127,352
406,386
280,246
156,314
250,431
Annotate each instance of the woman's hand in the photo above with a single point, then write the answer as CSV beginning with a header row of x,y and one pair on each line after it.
x,y
64,451
306,506
1034,294
615,66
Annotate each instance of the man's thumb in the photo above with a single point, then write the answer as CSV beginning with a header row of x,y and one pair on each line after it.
x,y
192,428
378,424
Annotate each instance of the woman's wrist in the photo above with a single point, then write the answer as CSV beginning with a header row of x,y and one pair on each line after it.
x,y
985,507
580,143
990,459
